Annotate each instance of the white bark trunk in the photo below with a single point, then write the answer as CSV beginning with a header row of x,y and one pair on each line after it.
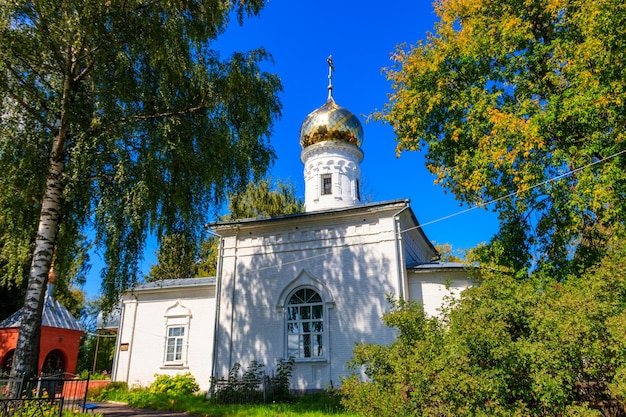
x,y
27,349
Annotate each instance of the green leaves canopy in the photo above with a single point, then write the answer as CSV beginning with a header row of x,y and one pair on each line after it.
x,y
118,115
506,95
178,256
157,126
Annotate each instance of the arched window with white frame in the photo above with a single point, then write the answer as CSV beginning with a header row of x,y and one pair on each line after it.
x,y
177,320
305,325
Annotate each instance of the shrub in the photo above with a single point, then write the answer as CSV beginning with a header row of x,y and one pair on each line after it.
x,y
174,385
507,347
253,386
113,391
279,382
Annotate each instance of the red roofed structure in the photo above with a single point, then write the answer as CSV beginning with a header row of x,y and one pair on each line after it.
x,y
59,343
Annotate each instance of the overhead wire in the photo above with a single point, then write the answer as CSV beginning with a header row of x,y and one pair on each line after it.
x,y
514,193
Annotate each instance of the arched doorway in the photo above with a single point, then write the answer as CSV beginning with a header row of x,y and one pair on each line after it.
x,y
54,363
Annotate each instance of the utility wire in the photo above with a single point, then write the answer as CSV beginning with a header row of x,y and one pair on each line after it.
x,y
514,193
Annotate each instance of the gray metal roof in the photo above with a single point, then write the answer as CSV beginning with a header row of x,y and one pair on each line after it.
x,y
359,208
54,315
442,265
175,283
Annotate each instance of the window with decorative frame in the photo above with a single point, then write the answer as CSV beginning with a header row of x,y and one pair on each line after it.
x,y
177,321
305,325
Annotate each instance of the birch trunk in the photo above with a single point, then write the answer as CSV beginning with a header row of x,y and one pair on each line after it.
x,y
27,350
26,359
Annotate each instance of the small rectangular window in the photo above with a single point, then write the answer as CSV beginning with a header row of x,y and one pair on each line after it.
x,y
174,345
327,184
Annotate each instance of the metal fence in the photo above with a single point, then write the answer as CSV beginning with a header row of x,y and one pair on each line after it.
x,y
45,395
31,407
247,390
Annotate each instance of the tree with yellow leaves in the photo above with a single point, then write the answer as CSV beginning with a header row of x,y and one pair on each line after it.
x,y
521,104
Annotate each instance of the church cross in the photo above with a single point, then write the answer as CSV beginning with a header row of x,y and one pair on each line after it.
x,y
331,68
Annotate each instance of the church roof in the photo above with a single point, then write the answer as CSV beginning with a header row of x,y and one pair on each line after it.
x,y
54,315
175,283
331,123
320,213
429,266
399,204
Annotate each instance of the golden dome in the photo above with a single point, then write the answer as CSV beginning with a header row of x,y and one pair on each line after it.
x,y
331,122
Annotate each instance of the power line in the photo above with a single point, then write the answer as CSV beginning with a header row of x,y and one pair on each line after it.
x,y
514,193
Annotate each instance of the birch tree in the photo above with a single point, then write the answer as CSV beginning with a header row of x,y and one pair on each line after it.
x,y
119,116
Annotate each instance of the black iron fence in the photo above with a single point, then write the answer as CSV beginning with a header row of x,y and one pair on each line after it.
x,y
31,407
45,395
264,389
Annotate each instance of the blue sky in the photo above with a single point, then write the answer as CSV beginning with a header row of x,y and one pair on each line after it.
x,y
361,36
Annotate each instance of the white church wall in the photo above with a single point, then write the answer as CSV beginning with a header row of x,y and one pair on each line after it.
x,y
141,345
433,288
353,262
339,160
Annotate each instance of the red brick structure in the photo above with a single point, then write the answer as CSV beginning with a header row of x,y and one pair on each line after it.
x,y
60,338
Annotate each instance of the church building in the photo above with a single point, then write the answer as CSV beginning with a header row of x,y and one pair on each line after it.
x,y
306,286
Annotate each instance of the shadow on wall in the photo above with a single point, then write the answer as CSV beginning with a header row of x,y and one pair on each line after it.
x,y
352,276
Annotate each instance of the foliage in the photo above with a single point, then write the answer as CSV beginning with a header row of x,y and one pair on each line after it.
x,y
102,358
180,257
316,405
264,199
504,97
448,254
181,384
253,385
507,347
236,389
119,116
175,258
32,407
98,376
113,391
279,381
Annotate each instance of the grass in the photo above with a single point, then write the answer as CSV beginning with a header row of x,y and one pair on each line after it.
x,y
317,405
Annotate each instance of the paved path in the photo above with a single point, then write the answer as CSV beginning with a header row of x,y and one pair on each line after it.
x,y
121,410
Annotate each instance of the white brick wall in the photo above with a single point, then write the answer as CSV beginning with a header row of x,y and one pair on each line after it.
x,y
143,330
353,260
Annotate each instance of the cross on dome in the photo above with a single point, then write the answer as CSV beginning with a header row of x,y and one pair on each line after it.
x,y
331,68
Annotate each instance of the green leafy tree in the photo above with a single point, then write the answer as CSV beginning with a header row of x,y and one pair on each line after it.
x,y
448,254
179,257
507,347
119,115
264,199
176,258
506,95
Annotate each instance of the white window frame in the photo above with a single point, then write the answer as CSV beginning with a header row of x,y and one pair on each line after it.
x,y
305,325
176,316
177,343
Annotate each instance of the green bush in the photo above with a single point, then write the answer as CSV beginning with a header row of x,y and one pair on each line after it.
x,y
174,385
98,376
508,347
113,391
248,388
